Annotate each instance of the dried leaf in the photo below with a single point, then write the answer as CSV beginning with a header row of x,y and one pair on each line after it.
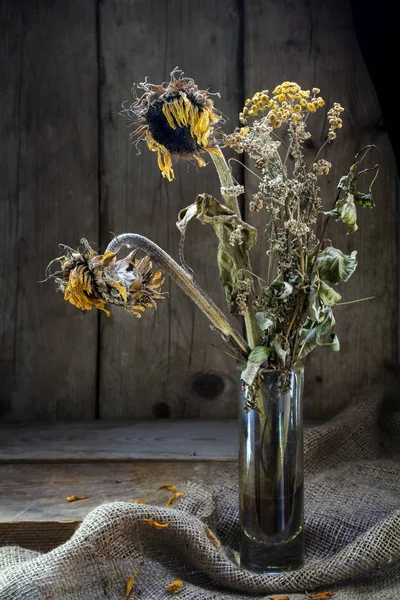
x,y
279,598
156,524
321,596
170,488
129,584
173,498
317,334
249,374
335,266
345,210
225,221
175,586
138,501
75,498
212,537
327,294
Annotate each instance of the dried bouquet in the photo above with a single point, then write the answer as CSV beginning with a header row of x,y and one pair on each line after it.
x,y
290,313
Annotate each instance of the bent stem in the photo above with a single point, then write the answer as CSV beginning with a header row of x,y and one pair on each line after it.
x,y
186,283
226,181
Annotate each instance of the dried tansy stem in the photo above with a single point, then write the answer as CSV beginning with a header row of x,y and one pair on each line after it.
x,y
294,309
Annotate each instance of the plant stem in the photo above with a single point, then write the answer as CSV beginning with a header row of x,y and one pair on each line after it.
x,y
226,180
355,301
186,283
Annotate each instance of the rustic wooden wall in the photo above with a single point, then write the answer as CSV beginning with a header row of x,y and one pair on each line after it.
x,y
68,170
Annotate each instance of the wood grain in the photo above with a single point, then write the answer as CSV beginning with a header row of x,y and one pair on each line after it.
x,y
182,439
48,128
313,43
34,512
149,366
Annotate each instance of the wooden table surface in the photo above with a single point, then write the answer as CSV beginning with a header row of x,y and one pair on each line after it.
x,y
42,464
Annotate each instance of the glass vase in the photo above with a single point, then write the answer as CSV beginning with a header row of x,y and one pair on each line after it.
x,y
271,489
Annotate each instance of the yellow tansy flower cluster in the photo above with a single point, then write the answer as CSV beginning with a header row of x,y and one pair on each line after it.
x,y
288,103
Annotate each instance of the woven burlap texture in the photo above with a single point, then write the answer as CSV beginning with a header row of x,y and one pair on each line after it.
x,y
352,530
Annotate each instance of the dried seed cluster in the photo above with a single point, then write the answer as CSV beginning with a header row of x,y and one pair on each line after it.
x,y
334,120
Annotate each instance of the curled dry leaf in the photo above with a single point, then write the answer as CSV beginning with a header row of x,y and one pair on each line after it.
x,y
129,584
173,498
279,598
212,537
138,501
75,498
321,596
175,586
156,524
170,488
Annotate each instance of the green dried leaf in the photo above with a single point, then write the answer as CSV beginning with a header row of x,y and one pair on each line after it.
x,y
329,340
281,289
230,258
256,358
346,183
345,210
335,266
281,353
327,294
317,334
259,354
248,375
316,311
265,323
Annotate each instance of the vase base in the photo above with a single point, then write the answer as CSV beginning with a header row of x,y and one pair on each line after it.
x,y
261,557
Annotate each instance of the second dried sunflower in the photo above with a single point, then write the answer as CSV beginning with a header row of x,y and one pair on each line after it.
x,y
89,279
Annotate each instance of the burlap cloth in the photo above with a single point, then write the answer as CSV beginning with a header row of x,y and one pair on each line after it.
x,y
352,530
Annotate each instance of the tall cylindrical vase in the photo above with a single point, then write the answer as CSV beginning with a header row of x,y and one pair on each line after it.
x,y
271,474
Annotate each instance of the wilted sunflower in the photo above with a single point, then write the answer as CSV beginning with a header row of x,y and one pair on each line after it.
x,y
89,279
175,119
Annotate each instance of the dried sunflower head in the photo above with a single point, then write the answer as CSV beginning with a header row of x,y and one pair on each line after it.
x,y
175,119
89,279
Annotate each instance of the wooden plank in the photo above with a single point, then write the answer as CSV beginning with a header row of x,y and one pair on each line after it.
x,y
191,440
313,43
41,537
48,126
34,512
152,367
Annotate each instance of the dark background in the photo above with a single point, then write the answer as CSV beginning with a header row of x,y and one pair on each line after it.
x,y
377,29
